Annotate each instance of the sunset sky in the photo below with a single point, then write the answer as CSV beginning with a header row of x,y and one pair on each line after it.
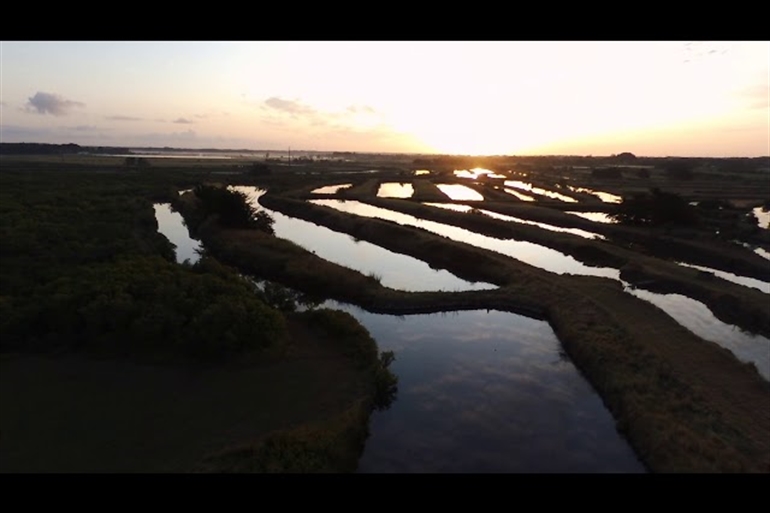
x,y
514,98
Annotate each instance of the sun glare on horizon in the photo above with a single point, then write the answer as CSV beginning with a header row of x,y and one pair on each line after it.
x,y
473,97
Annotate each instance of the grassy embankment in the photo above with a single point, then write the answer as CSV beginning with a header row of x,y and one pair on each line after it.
x,y
732,303
658,379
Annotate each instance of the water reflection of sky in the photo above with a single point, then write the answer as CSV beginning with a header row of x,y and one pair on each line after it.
x,y
395,190
688,312
330,189
597,217
397,271
604,196
467,208
531,253
740,280
171,225
477,172
539,190
458,192
763,217
486,392
522,197
696,317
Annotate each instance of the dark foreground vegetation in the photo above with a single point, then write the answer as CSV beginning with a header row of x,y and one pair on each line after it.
x,y
87,281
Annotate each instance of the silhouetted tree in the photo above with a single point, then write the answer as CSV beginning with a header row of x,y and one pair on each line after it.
x,y
232,208
656,208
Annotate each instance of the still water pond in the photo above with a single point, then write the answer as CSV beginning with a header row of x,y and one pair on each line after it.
x,y
395,190
486,391
458,192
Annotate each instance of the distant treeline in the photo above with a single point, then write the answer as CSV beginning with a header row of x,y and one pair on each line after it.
x,y
56,149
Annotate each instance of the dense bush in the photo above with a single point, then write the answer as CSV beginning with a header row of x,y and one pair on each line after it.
x,y
232,208
83,267
655,208
146,305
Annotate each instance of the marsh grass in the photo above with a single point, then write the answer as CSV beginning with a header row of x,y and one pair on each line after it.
x,y
332,446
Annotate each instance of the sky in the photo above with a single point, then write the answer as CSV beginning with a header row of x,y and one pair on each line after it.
x,y
651,98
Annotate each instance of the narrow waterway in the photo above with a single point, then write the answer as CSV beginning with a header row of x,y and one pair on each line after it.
x,y
528,252
395,270
696,317
740,280
459,207
688,312
486,391
172,226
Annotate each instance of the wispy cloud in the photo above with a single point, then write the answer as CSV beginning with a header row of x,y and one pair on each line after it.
x,y
698,50
183,121
355,126
365,109
292,107
122,118
48,103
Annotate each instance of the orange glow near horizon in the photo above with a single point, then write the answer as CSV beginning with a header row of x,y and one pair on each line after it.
x,y
652,98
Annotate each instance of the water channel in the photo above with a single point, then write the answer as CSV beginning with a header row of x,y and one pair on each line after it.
x,y
396,271
688,312
489,391
458,207
528,252
483,391
172,225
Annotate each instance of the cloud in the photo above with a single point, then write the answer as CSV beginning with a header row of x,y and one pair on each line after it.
x,y
122,118
47,103
183,121
698,50
289,106
365,109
